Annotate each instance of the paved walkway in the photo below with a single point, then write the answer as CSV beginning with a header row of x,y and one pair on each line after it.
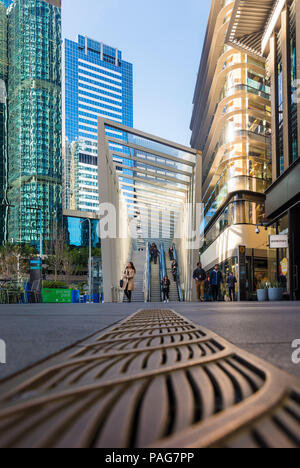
x,y
34,332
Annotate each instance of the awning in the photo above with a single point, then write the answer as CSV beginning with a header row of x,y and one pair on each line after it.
x,y
248,24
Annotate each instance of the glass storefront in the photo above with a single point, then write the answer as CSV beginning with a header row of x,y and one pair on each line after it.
x,y
279,259
242,209
256,274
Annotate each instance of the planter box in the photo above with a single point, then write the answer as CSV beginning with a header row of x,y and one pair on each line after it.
x,y
275,294
57,296
262,295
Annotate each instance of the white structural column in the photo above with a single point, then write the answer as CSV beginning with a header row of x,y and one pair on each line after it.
x,y
188,246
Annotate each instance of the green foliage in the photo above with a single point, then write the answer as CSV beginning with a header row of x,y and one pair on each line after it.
x,y
81,287
14,261
275,285
11,293
55,285
69,260
15,287
28,251
262,285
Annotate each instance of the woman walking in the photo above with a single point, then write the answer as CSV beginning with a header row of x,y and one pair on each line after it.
x,y
166,289
128,280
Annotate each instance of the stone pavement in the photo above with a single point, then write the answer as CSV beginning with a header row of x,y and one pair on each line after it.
x,y
33,332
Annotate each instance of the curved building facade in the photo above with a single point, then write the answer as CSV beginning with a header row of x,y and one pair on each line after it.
x,y
231,125
272,32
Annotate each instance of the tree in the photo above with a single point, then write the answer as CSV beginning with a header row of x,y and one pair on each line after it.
x,y
69,265
14,261
55,254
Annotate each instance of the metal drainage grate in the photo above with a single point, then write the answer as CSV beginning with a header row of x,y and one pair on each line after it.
x,y
279,429
155,380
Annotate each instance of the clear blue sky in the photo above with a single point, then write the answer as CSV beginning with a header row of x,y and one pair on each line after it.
x,y
163,39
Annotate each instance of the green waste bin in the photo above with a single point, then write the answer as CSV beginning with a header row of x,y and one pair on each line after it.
x,y
57,296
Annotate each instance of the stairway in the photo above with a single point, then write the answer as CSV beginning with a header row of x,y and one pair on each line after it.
x,y
155,282
139,259
174,296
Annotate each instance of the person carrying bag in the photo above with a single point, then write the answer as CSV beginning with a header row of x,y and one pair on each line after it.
x,y
127,283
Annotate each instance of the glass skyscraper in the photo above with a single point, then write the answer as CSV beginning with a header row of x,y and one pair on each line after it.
x,y
3,120
97,82
34,122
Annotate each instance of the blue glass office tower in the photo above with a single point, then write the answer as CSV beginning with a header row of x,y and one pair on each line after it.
x,y
97,82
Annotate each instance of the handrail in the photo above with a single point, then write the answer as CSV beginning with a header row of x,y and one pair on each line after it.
x,y
147,278
163,268
180,293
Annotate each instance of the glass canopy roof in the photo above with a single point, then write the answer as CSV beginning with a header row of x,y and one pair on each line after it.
x,y
156,176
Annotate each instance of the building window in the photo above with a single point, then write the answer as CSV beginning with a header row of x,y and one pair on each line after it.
x,y
280,154
294,117
88,159
243,211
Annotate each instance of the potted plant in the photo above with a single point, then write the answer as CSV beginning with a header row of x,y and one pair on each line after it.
x,y
262,292
275,292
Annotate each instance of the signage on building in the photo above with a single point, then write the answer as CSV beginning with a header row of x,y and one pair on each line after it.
x,y
242,273
242,255
279,242
36,266
284,267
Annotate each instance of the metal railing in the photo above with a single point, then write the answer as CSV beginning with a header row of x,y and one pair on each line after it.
x,y
14,292
147,277
180,293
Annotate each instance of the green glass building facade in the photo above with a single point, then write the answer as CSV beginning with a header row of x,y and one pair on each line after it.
x,y
34,122
3,121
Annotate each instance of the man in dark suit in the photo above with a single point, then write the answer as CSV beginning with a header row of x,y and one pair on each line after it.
x,y
215,279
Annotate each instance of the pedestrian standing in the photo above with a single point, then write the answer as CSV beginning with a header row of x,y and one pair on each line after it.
x,y
166,289
154,253
199,276
231,281
171,254
215,279
174,270
128,281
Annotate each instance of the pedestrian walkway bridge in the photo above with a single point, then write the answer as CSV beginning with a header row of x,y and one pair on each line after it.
x,y
149,276
151,185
